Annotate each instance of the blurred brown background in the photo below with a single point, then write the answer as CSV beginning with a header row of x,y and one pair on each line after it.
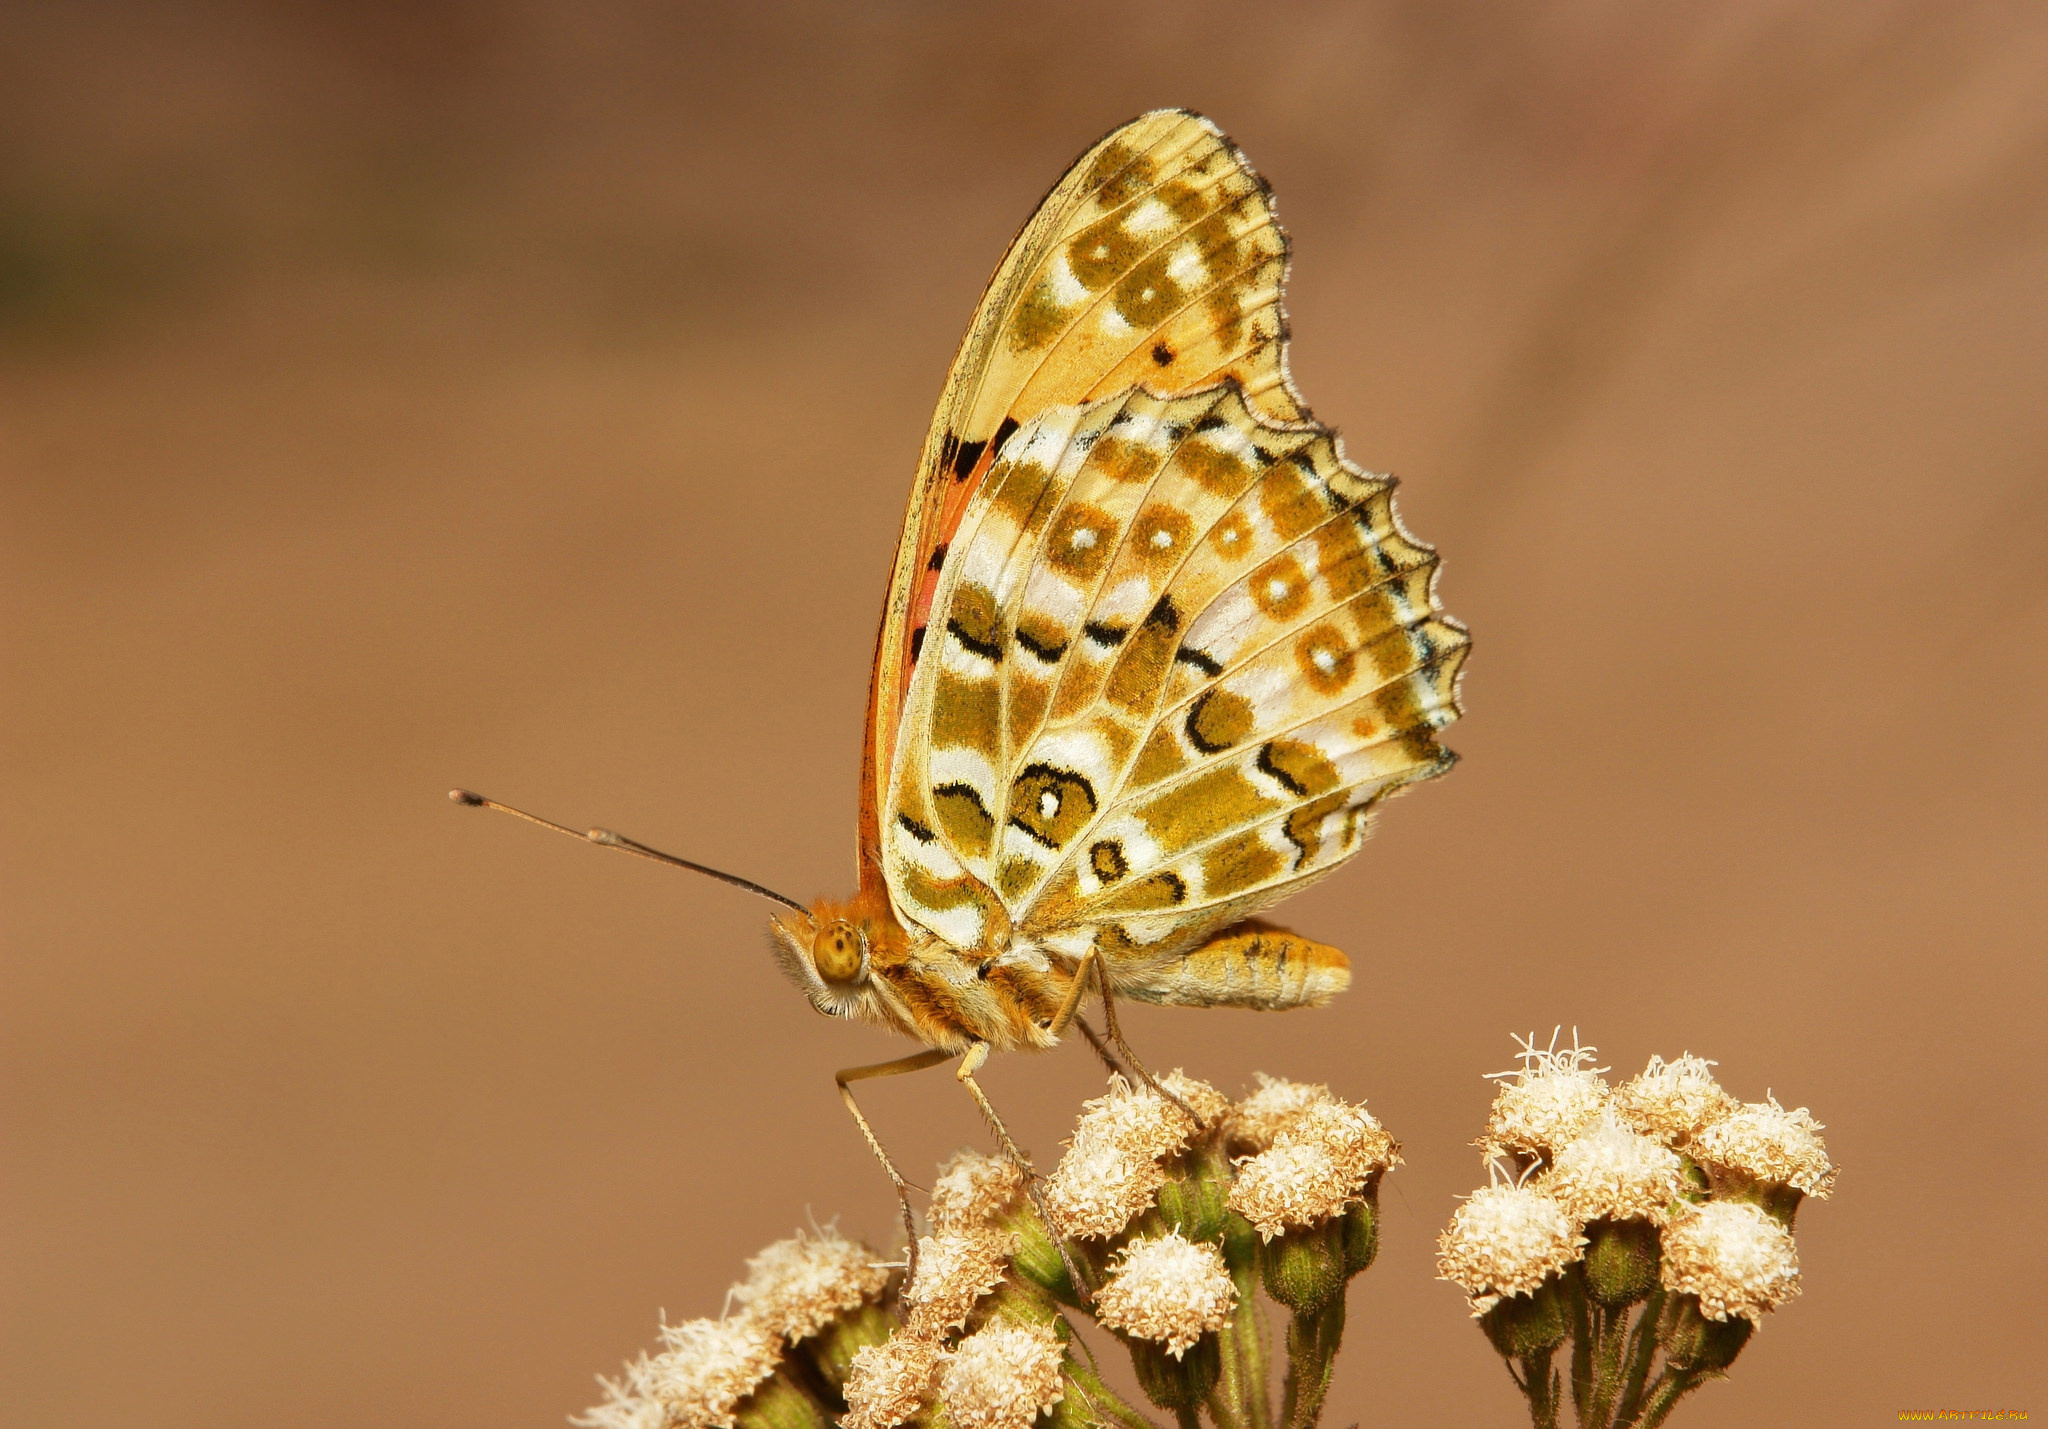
x,y
524,395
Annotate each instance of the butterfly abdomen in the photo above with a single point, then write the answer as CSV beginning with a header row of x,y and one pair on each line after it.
x,y
1248,965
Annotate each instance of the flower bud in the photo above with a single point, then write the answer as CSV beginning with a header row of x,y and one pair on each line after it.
x,y
1193,1201
1304,1267
779,1404
1693,1341
1523,1325
1037,1261
1177,1382
1361,1232
832,1349
1621,1261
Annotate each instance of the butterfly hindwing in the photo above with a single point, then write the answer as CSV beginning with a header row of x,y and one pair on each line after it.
x,y
1183,651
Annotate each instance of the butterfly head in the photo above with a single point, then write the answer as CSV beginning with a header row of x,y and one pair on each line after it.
x,y
828,951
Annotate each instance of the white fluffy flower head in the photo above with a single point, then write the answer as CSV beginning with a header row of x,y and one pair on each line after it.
x,y
1256,1121
1764,1141
1548,1101
887,1384
1111,1171
973,1190
1170,1289
1322,1159
1613,1171
1737,1258
709,1367
1672,1100
798,1286
1506,1240
955,1268
1003,1376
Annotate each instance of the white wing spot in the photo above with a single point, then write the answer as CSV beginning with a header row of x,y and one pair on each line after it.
x,y
1148,217
1048,804
1324,660
1162,539
1276,589
1084,537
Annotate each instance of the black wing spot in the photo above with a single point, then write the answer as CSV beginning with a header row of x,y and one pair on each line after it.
x,y
1162,354
938,557
1212,423
1107,636
1207,664
1164,616
966,456
1267,765
1003,431
1049,653
916,830
1106,860
916,644
991,650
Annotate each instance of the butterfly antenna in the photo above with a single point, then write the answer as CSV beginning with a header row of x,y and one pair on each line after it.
x,y
605,838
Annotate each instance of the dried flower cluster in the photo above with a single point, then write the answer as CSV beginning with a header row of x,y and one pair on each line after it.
x,y
1176,1209
1648,1225
711,1372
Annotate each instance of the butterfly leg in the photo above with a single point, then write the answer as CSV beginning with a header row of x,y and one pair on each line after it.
x,y
1101,1050
969,1065
917,1063
1070,1013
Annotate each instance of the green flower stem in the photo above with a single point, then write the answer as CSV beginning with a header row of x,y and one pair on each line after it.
x,y
1091,1404
1583,1312
1240,1400
1611,1331
1539,1384
1671,1386
1642,1350
1312,1341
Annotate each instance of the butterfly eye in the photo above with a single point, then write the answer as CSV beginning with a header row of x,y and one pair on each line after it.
x,y
839,951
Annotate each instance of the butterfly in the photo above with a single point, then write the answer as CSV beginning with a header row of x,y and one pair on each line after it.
x,y
1153,650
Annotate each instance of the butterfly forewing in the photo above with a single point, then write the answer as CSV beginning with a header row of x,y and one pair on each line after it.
x,y
1154,261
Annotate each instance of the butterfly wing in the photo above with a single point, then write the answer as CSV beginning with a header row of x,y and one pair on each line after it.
x,y
1160,647
1180,652
1154,260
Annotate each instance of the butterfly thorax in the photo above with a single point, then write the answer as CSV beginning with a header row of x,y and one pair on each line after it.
x,y
856,959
